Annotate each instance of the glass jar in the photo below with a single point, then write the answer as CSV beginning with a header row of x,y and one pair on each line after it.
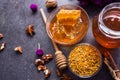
x,y
106,26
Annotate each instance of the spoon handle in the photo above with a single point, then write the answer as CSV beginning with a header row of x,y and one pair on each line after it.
x,y
44,18
60,58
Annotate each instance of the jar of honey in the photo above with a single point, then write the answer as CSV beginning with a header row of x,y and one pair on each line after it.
x,y
106,26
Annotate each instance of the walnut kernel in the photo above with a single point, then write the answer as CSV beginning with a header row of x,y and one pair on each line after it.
x,y
39,62
47,57
2,46
51,3
41,67
47,73
19,49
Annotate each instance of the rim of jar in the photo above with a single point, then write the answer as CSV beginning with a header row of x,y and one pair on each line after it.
x,y
107,31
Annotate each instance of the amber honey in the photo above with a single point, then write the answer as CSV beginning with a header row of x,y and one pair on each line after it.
x,y
106,27
68,34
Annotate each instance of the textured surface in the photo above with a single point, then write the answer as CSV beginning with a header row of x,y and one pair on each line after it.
x,y
15,15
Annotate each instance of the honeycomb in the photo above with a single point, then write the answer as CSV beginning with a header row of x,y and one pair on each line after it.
x,y
68,17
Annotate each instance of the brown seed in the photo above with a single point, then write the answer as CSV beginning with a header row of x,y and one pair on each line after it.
x,y
19,49
39,62
2,46
30,30
1,35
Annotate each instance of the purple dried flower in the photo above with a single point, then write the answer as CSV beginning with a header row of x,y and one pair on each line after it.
x,y
33,7
39,51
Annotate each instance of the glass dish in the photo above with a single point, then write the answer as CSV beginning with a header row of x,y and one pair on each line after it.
x,y
85,60
71,35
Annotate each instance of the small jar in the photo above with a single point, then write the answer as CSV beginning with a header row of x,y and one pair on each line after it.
x,y
106,26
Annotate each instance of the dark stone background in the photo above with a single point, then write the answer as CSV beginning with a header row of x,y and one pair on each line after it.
x,y
15,15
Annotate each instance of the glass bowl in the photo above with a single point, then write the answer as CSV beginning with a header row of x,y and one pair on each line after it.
x,y
85,60
67,35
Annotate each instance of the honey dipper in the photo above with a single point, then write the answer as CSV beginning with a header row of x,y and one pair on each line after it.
x,y
61,61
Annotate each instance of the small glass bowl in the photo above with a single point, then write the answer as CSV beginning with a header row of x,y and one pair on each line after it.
x,y
83,48
62,38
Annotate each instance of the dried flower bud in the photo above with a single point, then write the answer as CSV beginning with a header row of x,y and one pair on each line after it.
x,y
30,30
47,57
47,73
1,35
41,67
39,62
19,49
2,46
33,7
51,3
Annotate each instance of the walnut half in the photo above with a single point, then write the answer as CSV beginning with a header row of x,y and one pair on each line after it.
x,y
2,46
19,49
51,3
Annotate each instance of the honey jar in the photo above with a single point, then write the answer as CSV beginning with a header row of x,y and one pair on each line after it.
x,y
106,26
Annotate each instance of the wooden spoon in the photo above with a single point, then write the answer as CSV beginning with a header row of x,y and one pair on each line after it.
x,y
60,58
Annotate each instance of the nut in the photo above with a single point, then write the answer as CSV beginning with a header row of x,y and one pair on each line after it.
x,y
1,35
51,3
19,49
30,30
39,62
2,46
47,73
47,57
41,67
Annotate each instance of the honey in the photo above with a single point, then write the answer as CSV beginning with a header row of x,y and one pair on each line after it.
x,y
68,26
112,19
106,26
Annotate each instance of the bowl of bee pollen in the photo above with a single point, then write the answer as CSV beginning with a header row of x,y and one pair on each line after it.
x,y
67,24
85,60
